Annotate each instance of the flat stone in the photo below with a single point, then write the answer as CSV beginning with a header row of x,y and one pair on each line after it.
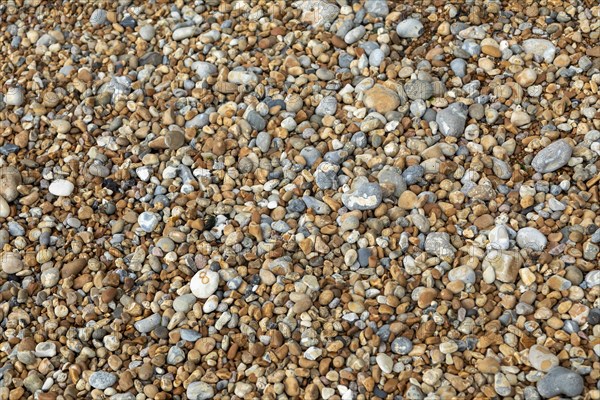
x,y
61,187
200,391
531,238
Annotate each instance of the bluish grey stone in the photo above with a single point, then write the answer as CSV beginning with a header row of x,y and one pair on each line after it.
x,y
364,195
147,324
402,345
560,381
459,67
255,120
327,106
531,238
189,335
451,120
263,141
410,28
355,34
184,302
318,206
310,154
363,256
376,57
102,380
553,157
392,176
296,205
148,221
325,175
413,174
147,32
377,7
175,355
204,69
438,244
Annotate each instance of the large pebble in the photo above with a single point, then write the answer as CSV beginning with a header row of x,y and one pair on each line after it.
x,y
452,119
204,283
200,391
364,195
531,238
541,358
61,187
102,380
10,179
553,157
540,47
410,28
560,381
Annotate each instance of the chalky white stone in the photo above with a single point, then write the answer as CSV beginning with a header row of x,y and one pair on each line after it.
x,y
61,187
204,283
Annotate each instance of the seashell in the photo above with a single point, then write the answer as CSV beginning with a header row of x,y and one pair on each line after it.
x,y
14,97
418,89
502,92
439,89
50,99
98,17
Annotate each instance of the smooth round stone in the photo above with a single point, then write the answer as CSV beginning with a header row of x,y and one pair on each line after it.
x,y
204,283
402,346
355,34
174,139
45,349
553,157
541,358
11,263
61,188
376,57
102,380
560,381
592,278
147,32
463,273
148,221
531,238
49,277
200,391
459,67
410,28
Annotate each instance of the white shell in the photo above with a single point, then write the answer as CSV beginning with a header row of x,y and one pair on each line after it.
x,y
204,283
14,97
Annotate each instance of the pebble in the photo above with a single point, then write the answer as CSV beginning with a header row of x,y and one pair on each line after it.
x,y
452,119
410,28
102,380
199,391
531,238
364,195
61,187
541,358
552,157
204,283
560,381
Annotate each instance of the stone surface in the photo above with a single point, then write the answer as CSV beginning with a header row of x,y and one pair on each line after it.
x,y
552,157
